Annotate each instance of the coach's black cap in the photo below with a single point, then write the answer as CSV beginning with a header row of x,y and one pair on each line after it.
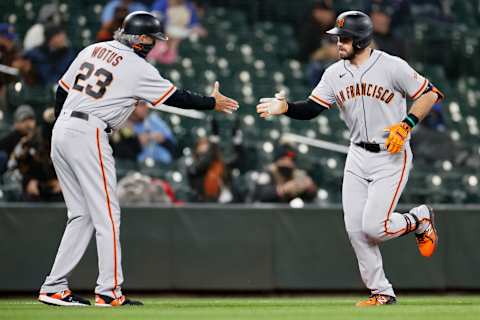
x,y
143,22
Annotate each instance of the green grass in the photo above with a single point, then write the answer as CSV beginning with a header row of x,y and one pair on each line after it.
x,y
278,308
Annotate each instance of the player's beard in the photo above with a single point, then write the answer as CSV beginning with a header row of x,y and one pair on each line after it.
x,y
349,55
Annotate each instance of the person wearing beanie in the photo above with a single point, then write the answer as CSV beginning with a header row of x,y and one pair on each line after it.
x,y
23,128
51,60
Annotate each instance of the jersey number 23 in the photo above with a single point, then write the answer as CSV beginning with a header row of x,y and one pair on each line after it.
x,y
104,78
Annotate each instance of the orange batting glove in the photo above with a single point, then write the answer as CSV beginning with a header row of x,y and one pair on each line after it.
x,y
398,133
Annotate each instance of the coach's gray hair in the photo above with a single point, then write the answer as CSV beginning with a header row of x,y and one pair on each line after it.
x,y
127,39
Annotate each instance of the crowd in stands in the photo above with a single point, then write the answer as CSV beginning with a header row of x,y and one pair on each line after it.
x,y
387,17
45,53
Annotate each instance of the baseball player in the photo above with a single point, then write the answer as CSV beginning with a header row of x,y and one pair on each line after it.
x,y
96,95
370,88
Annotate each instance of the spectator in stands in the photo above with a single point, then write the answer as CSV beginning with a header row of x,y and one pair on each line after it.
x,y
108,29
156,138
147,133
383,37
313,41
125,143
312,30
32,159
398,10
109,9
23,130
51,60
8,55
200,8
431,141
180,19
322,60
211,170
283,181
208,173
49,15
137,188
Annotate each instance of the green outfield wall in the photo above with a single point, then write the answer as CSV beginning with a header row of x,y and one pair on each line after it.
x,y
237,248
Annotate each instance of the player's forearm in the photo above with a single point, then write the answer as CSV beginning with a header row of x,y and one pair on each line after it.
x,y
304,110
422,106
185,99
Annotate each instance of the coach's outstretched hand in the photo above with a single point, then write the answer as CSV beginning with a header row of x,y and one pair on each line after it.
x,y
273,106
223,103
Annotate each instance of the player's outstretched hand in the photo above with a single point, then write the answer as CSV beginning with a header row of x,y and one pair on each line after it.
x,y
223,103
273,106
398,133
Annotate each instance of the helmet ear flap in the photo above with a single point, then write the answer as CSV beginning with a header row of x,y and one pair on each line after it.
x,y
363,43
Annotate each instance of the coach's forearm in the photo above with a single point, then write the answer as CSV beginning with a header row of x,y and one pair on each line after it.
x,y
422,106
60,97
304,110
185,99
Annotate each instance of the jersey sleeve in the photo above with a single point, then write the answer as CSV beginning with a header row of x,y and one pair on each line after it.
x,y
153,88
408,81
68,79
323,93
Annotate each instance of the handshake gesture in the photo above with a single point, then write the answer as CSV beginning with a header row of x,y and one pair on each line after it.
x,y
223,103
273,106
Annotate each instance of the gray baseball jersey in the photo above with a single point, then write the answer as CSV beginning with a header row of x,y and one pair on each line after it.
x,y
371,97
104,81
107,78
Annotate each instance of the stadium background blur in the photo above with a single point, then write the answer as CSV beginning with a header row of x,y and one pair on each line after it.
x,y
254,48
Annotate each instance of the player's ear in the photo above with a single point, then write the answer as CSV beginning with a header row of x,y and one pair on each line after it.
x,y
145,38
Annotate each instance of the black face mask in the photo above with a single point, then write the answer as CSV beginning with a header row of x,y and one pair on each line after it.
x,y
286,172
143,49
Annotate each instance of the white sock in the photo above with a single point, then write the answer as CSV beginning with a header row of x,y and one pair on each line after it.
x,y
411,222
421,212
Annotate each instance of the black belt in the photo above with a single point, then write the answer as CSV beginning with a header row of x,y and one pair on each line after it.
x,y
85,116
372,147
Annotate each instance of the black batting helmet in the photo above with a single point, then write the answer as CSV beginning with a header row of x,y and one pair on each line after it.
x,y
356,25
143,22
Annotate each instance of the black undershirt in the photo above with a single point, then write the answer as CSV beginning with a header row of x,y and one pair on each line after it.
x,y
185,99
180,98
304,110
60,97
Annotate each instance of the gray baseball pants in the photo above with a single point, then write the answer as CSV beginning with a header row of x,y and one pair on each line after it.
x,y
85,167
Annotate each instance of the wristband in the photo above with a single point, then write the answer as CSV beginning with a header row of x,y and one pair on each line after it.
x,y
411,120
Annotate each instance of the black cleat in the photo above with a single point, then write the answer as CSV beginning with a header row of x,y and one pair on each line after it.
x,y
63,298
377,300
106,301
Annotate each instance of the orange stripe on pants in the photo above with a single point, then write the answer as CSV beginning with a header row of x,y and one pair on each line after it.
x,y
390,209
105,186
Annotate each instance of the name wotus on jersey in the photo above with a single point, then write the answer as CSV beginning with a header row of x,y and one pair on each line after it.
x,y
107,55
364,89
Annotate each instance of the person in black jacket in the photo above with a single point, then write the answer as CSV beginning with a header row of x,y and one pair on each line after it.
x,y
31,158
23,129
207,173
282,181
